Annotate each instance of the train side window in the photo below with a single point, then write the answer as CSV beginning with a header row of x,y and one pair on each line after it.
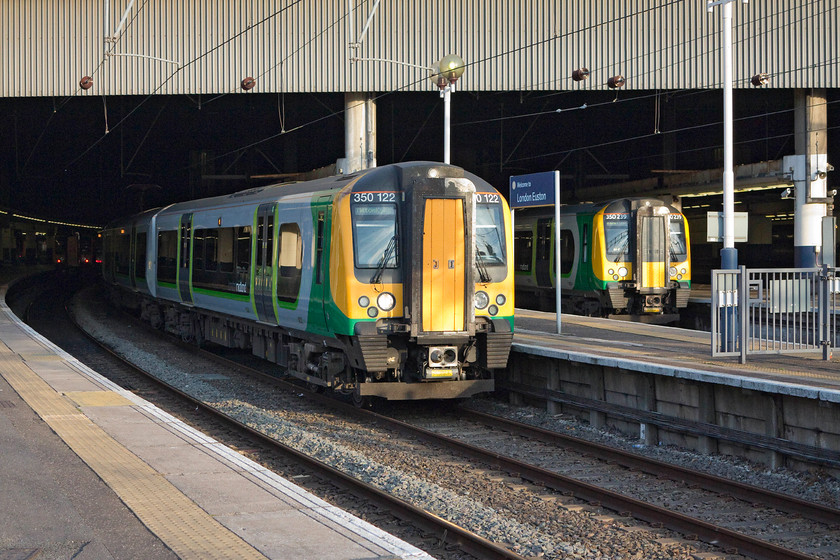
x,y
269,242
211,249
523,250
167,256
224,249
319,251
198,249
243,257
585,243
140,255
122,262
567,251
289,263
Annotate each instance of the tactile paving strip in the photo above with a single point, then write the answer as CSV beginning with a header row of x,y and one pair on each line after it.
x,y
183,526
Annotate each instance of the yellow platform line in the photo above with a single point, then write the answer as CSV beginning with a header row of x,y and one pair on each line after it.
x,y
183,526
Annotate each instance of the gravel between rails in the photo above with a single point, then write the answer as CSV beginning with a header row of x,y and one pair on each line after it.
x,y
528,523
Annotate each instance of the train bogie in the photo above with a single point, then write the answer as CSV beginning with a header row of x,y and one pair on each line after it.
x,y
394,282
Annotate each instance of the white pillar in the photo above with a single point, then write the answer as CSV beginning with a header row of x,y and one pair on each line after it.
x,y
359,133
809,168
729,255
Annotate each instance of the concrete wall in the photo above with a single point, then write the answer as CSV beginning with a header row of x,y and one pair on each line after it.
x,y
654,407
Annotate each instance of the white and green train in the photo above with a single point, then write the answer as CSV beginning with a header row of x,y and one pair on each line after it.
x,y
628,257
394,282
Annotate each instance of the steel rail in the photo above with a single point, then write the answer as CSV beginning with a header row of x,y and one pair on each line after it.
x,y
688,526
746,492
691,527
445,530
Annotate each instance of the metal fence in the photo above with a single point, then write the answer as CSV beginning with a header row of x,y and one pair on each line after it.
x,y
774,311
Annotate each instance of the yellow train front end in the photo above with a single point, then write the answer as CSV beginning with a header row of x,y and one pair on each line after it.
x,y
422,282
642,259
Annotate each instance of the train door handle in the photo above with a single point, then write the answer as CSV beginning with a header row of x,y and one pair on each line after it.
x,y
435,264
451,264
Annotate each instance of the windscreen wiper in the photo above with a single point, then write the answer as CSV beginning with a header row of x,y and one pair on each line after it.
x,y
392,245
483,275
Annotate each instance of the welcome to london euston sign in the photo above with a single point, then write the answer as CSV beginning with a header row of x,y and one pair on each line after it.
x,y
534,189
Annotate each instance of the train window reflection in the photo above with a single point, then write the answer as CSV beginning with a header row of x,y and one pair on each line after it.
x,y
489,244
617,233
679,248
375,235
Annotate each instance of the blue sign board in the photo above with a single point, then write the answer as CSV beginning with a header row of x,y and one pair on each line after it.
x,y
534,189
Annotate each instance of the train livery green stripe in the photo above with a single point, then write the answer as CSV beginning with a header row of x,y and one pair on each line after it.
x,y
222,294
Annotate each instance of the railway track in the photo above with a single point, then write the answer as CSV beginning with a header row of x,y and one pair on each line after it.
x,y
601,472
437,536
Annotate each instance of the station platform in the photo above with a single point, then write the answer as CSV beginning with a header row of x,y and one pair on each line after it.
x,y
91,471
673,352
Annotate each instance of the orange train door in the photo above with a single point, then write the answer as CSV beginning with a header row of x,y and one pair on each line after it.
x,y
444,273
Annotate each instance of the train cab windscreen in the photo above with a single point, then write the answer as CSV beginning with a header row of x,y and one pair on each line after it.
x,y
617,234
491,259
375,237
489,235
678,245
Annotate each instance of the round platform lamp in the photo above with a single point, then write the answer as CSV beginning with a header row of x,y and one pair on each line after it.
x,y
444,75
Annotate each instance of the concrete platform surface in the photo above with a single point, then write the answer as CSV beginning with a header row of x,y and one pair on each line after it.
x,y
671,351
91,471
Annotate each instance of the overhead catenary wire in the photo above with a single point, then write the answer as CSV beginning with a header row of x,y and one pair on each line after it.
x,y
517,49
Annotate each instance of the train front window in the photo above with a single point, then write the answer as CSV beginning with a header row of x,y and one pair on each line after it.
x,y
375,235
489,235
678,246
617,234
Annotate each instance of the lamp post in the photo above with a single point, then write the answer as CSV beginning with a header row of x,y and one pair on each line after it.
x,y
444,75
729,254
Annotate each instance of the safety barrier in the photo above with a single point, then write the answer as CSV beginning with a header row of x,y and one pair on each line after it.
x,y
774,311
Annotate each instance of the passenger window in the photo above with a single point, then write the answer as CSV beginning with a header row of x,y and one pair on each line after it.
x,y
167,256
198,249
567,251
523,247
289,263
140,255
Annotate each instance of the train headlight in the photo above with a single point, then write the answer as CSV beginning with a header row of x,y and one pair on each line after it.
x,y
615,276
611,272
372,312
622,271
682,271
672,271
386,301
364,301
679,277
481,300
500,299
493,310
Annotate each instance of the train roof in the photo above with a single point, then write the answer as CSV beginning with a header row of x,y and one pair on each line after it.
x,y
400,175
626,204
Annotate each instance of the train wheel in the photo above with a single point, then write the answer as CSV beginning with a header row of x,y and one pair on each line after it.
x,y
314,387
359,400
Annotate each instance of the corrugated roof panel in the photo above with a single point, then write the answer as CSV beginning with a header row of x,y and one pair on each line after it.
x,y
208,47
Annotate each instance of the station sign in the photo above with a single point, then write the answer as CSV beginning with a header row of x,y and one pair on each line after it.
x,y
714,226
534,189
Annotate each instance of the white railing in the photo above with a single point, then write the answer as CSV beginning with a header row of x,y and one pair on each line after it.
x,y
774,311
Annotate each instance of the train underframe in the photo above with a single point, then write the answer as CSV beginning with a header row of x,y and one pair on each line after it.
x,y
378,362
657,305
